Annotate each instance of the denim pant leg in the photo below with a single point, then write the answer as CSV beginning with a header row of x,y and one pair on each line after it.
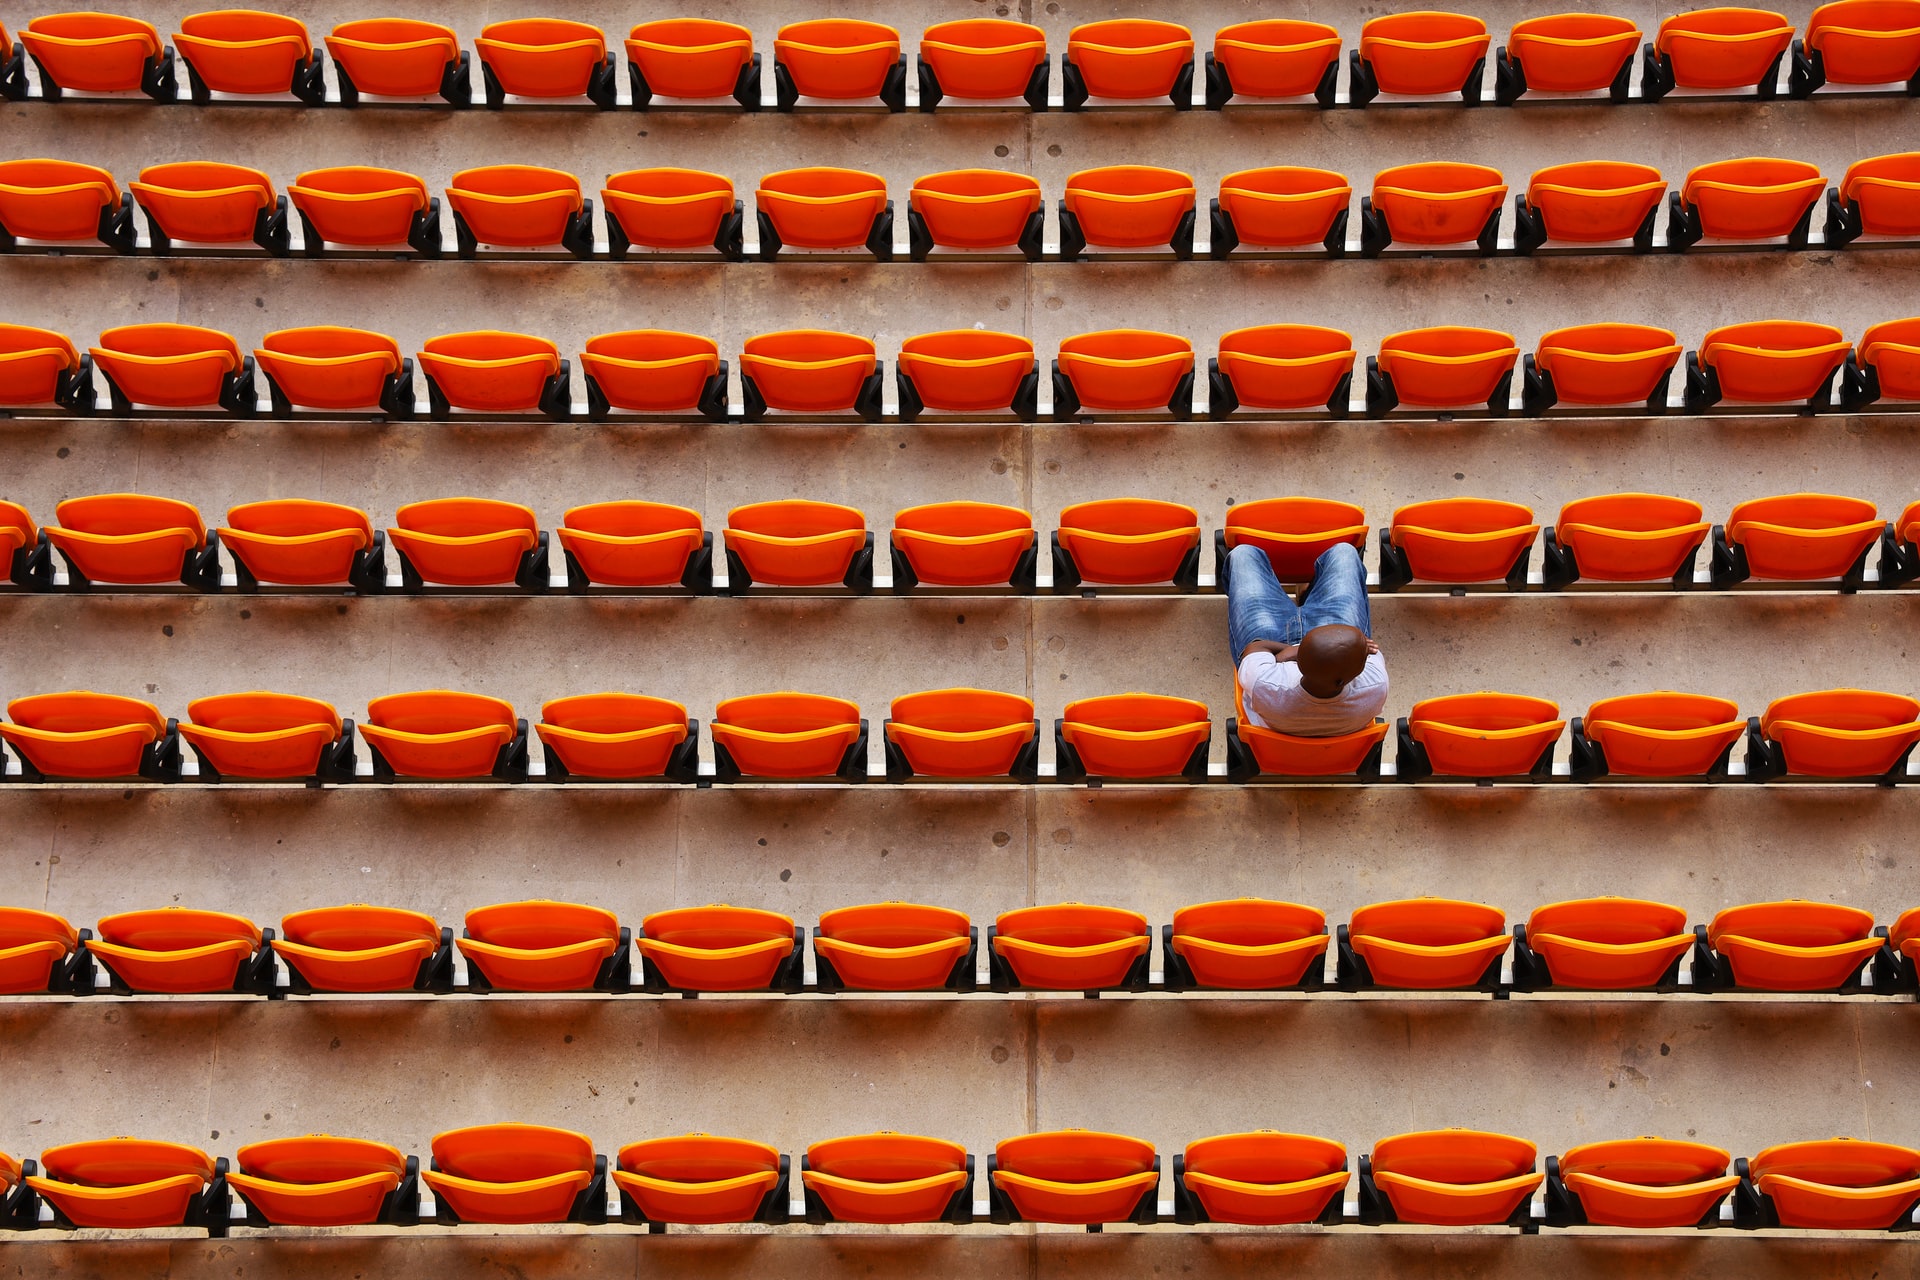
x,y
1258,607
1339,591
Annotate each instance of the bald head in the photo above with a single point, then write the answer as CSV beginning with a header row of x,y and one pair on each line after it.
x,y
1330,657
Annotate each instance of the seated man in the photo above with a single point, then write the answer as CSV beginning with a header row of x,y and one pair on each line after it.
x,y
1311,670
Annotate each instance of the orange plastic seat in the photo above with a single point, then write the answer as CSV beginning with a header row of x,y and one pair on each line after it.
x,y
1443,367
1483,735
488,371
1625,537
1128,60
889,1178
1133,735
515,1173
1073,1176
693,58
1282,366
1600,364
1601,944
895,946
1127,542
810,371
1886,365
1423,944
1293,531
982,59
1797,537
264,735
86,735
1793,945
1766,362
359,948
23,547
840,59
1840,1184
35,947
618,735
99,53
796,542
975,209
1127,206
1647,1182
1858,42
1263,1178
718,948
545,58
1759,198
130,538
1249,944
543,946
176,950
824,208
1452,1177
399,58
1273,58
1589,202
1069,947
1123,371
1283,206
963,544
301,542
1253,750
698,1178
1431,203
39,366
125,1183
520,206
366,207
320,1180
1659,735
968,371
1567,53
789,735
245,51
1839,733
174,366
961,733
207,202
1459,540
635,544
1878,196
654,371
1727,48
328,367
441,734
469,542
671,209
60,200
1424,54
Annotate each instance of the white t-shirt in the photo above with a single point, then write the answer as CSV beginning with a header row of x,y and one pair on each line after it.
x,y
1274,699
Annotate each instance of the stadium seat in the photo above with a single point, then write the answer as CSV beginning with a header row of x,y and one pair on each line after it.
x,y
244,51
1420,54
1069,947
841,60
91,735
1839,1184
39,366
1292,531
1797,537
1786,946
1073,1176
1858,42
1244,944
700,1179
1479,735
1728,48
364,949
1656,735
631,543
1899,556
546,58
1879,196
1624,537
135,539
327,367
1638,1182
1127,542
1127,60
1123,371
654,371
967,371
674,209
1435,202
469,542
1445,367
302,542
268,735
1457,540
324,1181
975,209
1766,362
1255,750
618,735
789,735
399,58
1595,364
1897,967
983,59
810,371
796,542
888,1178
184,951
99,53
520,206
963,544
62,200
1422,944
1127,206
175,366
1759,198
517,1173
1600,944
545,946
1566,53
490,372
37,953
206,202
692,58
1282,206
1132,735
365,208
962,733
131,1183
441,734
1886,365
1273,58
13,87
1281,366
824,208
720,948
1589,202
1260,1179
25,548
1449,1178
894,946
1837,733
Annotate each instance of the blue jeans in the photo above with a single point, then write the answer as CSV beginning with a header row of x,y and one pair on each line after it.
x,y
1259,608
